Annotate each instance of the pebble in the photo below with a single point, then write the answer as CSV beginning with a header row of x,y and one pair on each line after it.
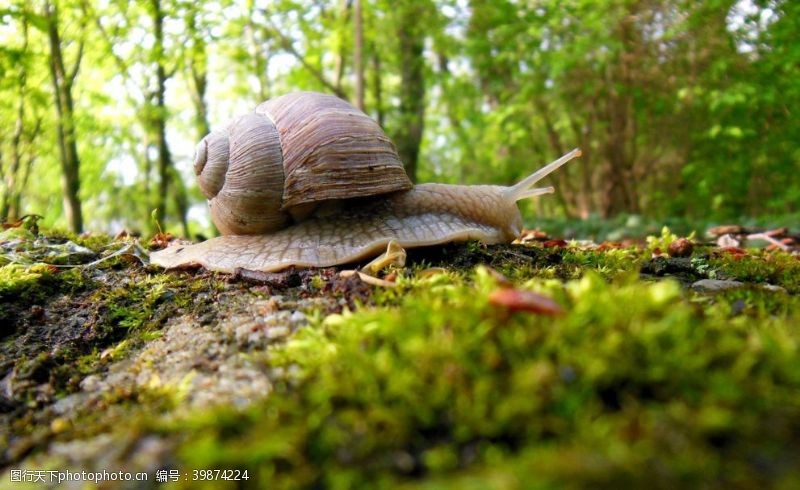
x,y
714,285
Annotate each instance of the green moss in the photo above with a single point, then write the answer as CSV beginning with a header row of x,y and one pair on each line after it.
x,y
777,268
32,284
609,263
428,384
634,381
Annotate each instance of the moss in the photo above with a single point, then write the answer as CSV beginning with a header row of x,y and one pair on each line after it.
x,y
609,263
641,382
62,324
758,266
634,381
33,283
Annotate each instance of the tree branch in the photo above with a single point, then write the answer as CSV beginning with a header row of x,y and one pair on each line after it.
x,y
288,46
76,64
121,65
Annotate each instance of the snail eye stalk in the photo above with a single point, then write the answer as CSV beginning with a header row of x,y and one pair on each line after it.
x,y
522,189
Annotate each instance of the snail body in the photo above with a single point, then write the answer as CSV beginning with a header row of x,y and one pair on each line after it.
x,y
330,190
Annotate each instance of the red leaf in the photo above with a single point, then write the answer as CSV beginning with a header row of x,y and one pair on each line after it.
x,y
554,243
521,300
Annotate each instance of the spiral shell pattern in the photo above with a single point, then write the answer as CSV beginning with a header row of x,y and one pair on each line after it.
x,y
293,152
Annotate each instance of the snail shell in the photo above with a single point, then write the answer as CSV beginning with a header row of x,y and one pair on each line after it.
x,y
277,164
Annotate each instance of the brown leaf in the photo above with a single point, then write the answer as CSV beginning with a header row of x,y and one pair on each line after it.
x,y
734,253
29,221
499,278
554,243
12,224
609,246
371,280
718,231
521,300
532,236
733,250
160,240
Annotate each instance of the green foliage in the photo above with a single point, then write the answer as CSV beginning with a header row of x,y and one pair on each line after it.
x,y
633,381
683,109
662,242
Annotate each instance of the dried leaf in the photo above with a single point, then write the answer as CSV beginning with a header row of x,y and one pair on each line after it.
x,y
554,243
528,236
160,240
374,281
609,246
522,300
499,278
431,271
719,231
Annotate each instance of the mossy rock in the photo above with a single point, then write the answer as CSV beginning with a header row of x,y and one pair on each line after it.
x,y
312,380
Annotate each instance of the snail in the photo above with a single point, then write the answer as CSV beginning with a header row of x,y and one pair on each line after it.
x,y
308,180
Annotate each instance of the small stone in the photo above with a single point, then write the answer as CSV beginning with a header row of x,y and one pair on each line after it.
x,y
715,285
278,332
298,319
680,248
773,288
728,241
59,424
92,383
37,312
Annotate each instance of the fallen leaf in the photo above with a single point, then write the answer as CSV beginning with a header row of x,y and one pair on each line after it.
x,y
718,231
431,271
554,243
522,300
498,277
528,236
609,246
160,240
371,280
728,241
734,253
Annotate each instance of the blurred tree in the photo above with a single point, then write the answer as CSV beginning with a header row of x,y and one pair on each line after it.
x,y
681,107
16,160
406,15
63,76
151,65
196,57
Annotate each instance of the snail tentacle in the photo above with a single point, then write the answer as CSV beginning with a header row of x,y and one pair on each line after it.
x,y
521,190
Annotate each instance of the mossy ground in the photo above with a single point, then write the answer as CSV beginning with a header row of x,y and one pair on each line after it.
x,y
307,379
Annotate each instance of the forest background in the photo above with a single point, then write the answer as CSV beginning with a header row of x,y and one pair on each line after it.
x,y
683,108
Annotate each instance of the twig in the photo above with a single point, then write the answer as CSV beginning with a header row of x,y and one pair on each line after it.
x,y
768,238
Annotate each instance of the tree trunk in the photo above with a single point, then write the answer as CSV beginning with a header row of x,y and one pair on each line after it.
x,y
408,136
259,58
8,211
198,63
165,170
377,85
65,121
619,179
